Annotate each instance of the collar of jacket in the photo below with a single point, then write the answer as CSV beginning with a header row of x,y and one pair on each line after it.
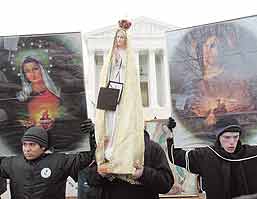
x,y
34,161
239,152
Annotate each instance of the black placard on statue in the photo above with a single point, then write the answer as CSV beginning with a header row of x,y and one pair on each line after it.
x,y
109,97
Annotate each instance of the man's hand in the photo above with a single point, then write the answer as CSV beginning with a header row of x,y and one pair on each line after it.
x,y
104,171
139,170
171,124
170,140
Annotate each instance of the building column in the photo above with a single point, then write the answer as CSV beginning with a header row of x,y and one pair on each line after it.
x,y
152,79
105,54
90,83
98,69
167,90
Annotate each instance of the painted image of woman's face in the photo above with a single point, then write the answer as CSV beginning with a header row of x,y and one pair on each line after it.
x,y
121,39
210,51
32,72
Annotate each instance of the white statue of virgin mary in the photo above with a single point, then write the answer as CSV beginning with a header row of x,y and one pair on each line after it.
x,y
120,133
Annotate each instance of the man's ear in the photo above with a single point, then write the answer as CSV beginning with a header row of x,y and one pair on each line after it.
x,y
43,148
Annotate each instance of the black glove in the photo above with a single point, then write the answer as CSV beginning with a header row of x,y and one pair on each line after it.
x,y
171,124
88,126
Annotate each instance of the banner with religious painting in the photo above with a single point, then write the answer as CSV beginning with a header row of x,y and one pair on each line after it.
x,y
42,84
185,183
213,74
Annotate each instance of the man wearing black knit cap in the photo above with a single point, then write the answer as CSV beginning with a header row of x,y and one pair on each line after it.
x,y
228,168
40,175
34,143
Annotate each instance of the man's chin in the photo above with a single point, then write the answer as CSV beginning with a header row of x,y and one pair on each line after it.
x,y
231,150
28,157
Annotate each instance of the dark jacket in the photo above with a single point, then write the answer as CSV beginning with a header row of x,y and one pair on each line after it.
x,y
222,178
43,178
3,185
156,178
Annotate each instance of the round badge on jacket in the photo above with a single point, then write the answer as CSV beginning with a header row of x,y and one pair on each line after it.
x,y
46,173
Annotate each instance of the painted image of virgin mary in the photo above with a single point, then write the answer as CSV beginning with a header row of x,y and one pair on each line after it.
x,y
40,93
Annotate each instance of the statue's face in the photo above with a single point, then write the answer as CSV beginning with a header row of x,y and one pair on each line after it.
x,y
32,72
121,39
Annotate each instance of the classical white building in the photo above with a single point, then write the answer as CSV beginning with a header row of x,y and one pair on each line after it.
x,y
149,45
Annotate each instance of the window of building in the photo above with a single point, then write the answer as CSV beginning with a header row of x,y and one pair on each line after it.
x,y
144,93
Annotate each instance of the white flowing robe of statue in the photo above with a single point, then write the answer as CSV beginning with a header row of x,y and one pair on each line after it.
x,y
120,134
116,75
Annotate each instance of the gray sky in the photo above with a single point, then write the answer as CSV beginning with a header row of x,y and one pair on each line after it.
x,y
46,16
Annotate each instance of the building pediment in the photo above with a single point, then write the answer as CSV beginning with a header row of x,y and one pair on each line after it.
x,y
141,26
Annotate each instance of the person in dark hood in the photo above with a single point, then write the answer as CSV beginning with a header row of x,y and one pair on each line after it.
x,y
153,178
39,174
228,168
